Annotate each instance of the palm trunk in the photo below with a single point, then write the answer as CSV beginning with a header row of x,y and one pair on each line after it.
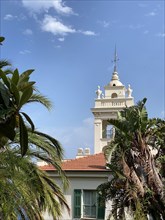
x,y
153,179
130,173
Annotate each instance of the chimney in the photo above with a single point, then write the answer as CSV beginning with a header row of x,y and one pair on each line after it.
x,y
87,151
80,153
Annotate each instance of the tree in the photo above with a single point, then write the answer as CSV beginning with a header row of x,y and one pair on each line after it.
x,y
26,191
136,158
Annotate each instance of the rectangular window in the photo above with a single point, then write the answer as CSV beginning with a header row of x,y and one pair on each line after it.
x,y
87,204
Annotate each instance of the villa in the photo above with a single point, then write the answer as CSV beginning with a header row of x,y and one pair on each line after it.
x,y
86,172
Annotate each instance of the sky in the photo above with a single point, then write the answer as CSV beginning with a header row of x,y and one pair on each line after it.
x,y
71,44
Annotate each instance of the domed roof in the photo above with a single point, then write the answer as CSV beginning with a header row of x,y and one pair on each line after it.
x,y
115,80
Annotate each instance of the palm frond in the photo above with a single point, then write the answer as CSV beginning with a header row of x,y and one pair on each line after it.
x,y
41,99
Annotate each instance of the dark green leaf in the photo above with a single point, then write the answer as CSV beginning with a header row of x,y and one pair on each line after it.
x,y
7,129
15,77
25,76
4,95
15,93
5,79
25,85
23,136
25,96
29,120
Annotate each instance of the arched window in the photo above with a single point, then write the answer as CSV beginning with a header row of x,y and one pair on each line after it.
x,y
114,95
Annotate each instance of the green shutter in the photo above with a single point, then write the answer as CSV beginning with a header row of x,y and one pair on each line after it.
x,y
77,203
101,209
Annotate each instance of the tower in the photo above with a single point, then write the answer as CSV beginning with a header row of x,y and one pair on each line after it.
x,y
107,104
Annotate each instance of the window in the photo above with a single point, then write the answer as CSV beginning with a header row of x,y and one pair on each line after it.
x,y
89,204
114,95
86,205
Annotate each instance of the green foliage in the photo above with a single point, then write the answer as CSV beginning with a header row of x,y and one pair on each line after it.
x,y
139,212
16,91
25,190
138,175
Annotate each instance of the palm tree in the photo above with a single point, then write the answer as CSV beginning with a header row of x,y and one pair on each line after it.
x,y
32,189
27,191
136,158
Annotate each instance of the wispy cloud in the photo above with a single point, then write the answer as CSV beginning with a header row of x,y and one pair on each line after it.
x,y
23,52
61,39
151,14
160,34
88,33
73,138
28,32
56,27
134,27
146,32
44,6
9,17
57,46
104,24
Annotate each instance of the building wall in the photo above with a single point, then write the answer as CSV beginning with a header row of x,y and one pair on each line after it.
x,y
77,182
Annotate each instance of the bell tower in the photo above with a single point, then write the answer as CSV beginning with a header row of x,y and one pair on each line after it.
x,y
115,97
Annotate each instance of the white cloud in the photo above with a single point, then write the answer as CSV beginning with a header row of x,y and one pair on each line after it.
x,y
45,5
61,39
88,33
160,34
23,52
28,32
52,25
57,46
56,27
9,17
151,14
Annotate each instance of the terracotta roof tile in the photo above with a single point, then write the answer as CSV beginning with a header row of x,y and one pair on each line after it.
x,y
95,162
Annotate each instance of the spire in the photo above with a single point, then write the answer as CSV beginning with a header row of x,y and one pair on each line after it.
x,y
115,60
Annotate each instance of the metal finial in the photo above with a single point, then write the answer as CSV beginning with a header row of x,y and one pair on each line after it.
x,y
115,60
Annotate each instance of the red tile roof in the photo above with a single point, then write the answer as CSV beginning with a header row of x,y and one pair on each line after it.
x,y
95,162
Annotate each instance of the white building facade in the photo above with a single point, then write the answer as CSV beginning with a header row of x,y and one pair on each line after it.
x,y
115,98
87,172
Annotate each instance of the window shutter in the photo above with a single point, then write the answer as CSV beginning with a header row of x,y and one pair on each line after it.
x,y
77,203
101,209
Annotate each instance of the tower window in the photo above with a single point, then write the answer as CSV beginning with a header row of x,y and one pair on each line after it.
x,y
114,84
114,95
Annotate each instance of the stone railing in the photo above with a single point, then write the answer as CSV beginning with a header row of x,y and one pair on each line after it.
x,y
115,103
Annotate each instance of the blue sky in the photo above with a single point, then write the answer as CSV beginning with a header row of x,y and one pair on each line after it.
x,y
71,47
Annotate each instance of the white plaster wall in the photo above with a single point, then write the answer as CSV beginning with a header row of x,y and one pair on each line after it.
x,y
77,183
98,135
